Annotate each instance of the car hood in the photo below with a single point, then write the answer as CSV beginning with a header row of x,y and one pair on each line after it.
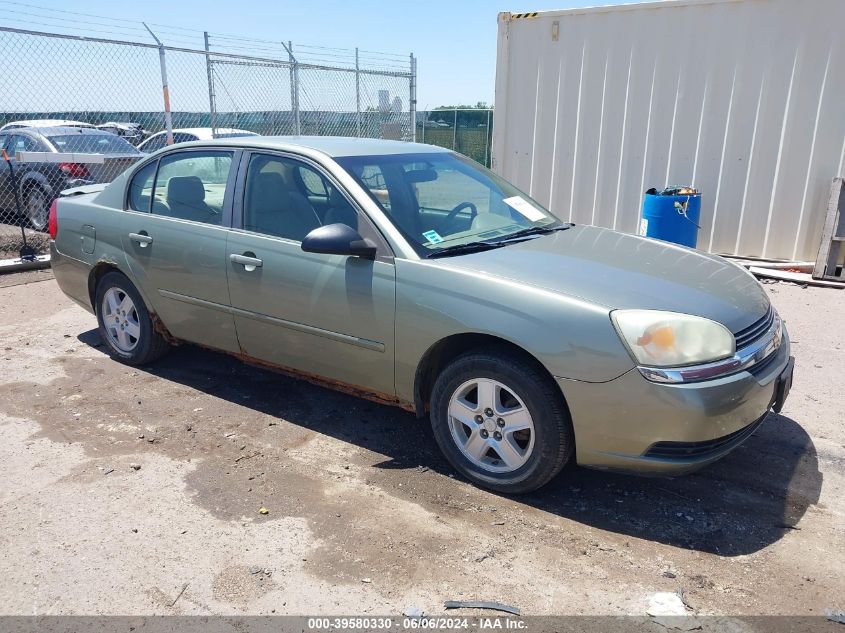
x,y
625,271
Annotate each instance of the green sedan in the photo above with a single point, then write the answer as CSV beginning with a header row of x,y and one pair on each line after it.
x,y
410,275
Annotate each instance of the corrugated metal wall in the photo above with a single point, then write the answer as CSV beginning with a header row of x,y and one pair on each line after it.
x,y
744,99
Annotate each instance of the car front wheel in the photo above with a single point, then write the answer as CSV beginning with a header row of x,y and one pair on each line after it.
x,y
125,324
501,421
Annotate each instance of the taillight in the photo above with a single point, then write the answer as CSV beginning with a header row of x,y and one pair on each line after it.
x,y
75,170
53,220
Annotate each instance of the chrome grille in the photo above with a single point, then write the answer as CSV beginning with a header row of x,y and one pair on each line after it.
x,y
755,330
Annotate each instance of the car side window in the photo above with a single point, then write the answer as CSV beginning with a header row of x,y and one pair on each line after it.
x,y
181,137
279,198
3,139
141,188
312,182
155,143
19,143
192,185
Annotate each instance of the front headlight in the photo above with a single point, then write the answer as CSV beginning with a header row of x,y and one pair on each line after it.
x,y
670,339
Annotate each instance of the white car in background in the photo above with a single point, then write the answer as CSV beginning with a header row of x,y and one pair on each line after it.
x,y
184,135
14,125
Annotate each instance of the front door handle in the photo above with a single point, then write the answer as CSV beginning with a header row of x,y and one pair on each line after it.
x,y
248,262
142,238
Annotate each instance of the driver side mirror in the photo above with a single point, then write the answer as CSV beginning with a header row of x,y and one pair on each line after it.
x,y
338,239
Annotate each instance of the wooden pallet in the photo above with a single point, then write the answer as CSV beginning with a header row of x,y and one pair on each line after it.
x,y
830,264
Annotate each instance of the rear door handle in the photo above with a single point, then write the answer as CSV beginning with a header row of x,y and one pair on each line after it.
x,y
249,263
142,238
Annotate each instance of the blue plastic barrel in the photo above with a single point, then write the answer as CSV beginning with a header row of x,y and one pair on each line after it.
x,y
671,218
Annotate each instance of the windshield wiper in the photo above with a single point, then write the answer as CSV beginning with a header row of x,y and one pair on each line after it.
x,y
463,249
486,245
536,230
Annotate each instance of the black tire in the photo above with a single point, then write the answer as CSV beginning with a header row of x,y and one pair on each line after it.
x,y
553,442
149,345
35,203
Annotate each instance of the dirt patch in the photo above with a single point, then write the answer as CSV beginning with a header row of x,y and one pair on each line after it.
x,y
364,515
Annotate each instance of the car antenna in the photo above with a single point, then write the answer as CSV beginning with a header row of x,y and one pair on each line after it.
x,y
27,253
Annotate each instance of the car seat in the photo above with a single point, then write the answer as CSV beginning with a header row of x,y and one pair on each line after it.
x,y
272,207
186,200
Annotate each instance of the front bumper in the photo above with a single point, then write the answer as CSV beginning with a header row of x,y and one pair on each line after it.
x,y
622,424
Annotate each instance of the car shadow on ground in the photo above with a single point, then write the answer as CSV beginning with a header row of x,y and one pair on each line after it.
x,y
737,506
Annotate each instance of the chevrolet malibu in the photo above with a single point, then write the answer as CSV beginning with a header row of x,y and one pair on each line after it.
x,y
410,275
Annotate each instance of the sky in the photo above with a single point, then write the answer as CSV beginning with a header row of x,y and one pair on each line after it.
x,y
453,40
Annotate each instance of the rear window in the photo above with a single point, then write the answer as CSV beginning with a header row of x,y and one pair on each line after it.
x,y
92,144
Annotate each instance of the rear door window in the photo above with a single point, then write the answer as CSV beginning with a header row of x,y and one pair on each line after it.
x,y
182,137
154,143
20,143
141,188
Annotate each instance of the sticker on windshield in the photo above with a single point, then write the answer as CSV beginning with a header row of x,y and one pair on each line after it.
x,y
433,237
523,207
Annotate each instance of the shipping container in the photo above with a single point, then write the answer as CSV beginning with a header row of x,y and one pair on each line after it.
x,y
742,99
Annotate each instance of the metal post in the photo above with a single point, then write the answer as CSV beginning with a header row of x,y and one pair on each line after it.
x,y
212,106
357,92
297,123
168,117
455,130
294,87
413,98
487,139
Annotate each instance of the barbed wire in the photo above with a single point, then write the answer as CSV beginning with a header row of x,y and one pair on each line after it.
x,y
170,34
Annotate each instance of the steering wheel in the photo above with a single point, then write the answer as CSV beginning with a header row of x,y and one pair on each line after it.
x,y
461,206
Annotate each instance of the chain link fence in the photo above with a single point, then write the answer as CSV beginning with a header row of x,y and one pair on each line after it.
x,y
465,130
109,101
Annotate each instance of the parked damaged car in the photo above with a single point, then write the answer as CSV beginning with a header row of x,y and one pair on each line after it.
x,y
40,182
132,132
413,276
188,134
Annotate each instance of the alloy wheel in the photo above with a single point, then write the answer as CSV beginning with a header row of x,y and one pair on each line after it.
x,y
491,425
37,208
120,319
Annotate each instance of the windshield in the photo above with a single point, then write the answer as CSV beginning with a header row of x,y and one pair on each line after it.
x,y
441,200
92,144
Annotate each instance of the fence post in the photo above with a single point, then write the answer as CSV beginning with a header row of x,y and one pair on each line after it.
x,y
212,106
413,98
168,117
294,88
487,139
296,116
357,93
455,131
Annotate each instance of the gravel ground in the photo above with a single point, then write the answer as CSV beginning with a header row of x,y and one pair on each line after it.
x,y
137,491
11,239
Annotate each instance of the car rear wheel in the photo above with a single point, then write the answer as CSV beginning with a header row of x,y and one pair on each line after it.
x,y
125,324
501,421
36,205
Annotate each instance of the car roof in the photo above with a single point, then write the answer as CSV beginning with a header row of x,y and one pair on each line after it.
x,y
205,133
37,123
334,146
57,130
